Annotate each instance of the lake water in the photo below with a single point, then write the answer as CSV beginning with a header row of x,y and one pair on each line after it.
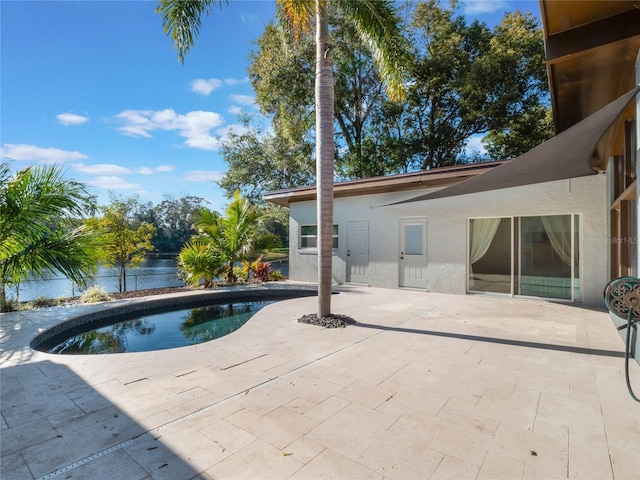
x,y
153,273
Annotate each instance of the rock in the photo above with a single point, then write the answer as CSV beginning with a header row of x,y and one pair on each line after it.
x,y
333,320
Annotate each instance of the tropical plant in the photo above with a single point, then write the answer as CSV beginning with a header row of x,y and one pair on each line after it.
x,y
376,23
199,262
260,270
234,236
39,226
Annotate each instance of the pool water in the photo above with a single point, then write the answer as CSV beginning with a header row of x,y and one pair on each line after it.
x,y
163,330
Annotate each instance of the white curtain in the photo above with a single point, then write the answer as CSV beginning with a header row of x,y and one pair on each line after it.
x,y
482,232
558,228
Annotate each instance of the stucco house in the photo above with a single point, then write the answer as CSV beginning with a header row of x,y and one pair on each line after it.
x,y
557,222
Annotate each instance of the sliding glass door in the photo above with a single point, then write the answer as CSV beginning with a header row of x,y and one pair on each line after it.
x,y
490,255
531,256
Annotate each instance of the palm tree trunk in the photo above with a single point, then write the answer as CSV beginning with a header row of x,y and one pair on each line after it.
x,y
324,157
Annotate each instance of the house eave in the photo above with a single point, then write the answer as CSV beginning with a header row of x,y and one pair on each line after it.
x,y
438,177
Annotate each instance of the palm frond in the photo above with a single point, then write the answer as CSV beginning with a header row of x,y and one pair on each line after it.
x,y
378,25
297,15
181,20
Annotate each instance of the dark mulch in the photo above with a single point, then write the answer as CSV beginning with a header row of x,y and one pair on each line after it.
x,y
147,292
333,320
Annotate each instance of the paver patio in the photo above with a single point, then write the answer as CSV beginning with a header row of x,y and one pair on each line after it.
x,y
425,386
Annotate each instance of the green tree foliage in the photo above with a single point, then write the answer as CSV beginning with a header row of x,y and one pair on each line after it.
x,y
124,240
523,133
174,220
261,161
467,79
40,231
281,74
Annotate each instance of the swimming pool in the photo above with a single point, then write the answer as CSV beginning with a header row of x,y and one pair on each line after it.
x,y
162,330
160,323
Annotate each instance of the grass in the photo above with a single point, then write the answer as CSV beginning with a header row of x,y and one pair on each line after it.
x,y
275,254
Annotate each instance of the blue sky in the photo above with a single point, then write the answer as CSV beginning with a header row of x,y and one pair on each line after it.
x,y
96,86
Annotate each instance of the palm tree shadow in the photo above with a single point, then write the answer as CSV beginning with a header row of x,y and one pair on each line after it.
x,y
497,340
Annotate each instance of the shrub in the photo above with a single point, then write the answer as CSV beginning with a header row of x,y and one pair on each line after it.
x,y
275,275
262,271
240,274
95,294
40,302
8,305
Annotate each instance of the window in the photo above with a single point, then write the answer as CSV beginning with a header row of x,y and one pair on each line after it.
x,y
532,256
309,237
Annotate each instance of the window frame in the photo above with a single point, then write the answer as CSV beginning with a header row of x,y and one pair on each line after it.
x,y
516,249
314,226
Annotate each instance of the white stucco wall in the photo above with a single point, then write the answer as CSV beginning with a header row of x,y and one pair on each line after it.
x,y
447,224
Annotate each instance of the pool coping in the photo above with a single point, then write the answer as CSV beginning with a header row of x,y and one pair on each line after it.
x,y
155,304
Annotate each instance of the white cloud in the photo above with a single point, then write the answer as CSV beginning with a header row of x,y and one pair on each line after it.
x,y
109,169
474,144
113,183
71,119
244,99
236,81
205,87
235,110
247,17
31,152
203,175
101,169
236,128
195,126
483,6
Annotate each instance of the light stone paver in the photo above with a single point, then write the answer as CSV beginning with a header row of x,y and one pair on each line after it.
x,y
330,465
430,386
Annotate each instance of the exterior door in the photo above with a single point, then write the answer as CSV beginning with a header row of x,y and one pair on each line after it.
x,y
358,252
413,252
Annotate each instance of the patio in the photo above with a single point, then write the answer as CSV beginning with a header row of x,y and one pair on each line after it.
x,y
426,385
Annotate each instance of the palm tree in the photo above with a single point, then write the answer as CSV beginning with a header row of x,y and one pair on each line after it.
x,y
378,26
199,261
224,241
39,226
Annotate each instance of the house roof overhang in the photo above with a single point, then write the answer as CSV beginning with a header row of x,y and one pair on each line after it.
x,y
438,177
591,49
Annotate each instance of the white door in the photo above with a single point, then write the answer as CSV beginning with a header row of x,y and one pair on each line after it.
x,y
358,252
413,252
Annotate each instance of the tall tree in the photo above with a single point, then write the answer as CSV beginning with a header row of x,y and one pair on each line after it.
x,y
470,80
125,241
281,70
376,23
39,226
528,130
260,161
174,220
